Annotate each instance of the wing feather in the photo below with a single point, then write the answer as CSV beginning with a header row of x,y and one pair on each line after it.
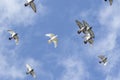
x,y
29,68
91,41
101,57
50,35
33,74
16,39
11,32
33,6
85,24
55,41
80,25
111,1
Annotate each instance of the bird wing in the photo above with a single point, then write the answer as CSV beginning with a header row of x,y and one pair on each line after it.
x,y
105,64
91,41
50,35
55,41
33,74
11,32
87,36
29,68
91,33
86,24
33,6
111,1
105,60
16,38
80,25
28,1
101,57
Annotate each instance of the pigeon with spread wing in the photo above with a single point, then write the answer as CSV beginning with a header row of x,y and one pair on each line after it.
x,y
53,38
30,70
103,59
14,36
32,5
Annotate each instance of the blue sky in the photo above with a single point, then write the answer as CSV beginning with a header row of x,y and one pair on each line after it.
x,y
72,59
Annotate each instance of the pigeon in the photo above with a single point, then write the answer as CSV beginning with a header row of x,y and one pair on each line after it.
x,y
103,60
88,38
32,5
30,71
53,38
14,36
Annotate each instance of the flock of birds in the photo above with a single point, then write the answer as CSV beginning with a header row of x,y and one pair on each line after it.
x,y
83,28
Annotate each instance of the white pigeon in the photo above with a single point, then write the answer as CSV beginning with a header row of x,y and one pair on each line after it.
x,y
53,38
32,5
30,70
14,36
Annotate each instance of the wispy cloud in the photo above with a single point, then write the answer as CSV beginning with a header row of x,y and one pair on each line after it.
x,y
74,69
14,13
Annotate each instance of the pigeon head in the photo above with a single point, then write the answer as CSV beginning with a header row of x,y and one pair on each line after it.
x,y
10,38
100,62
25,4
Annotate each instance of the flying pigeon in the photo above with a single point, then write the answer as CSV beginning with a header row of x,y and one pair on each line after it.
x,y
32,5
30,70
53,38
14,36
81,27
103,60
88,38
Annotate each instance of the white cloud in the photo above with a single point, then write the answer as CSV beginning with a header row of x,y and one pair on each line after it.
x,y
74,69
109,20
14,12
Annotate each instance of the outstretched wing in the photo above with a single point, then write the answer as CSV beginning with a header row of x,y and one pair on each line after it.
x,y
16,39
91,41
91,33
28,1
50,35
86,24
80,25
33,6
29,68
55,41
111,1
33,74
101,57
11,32
87,36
